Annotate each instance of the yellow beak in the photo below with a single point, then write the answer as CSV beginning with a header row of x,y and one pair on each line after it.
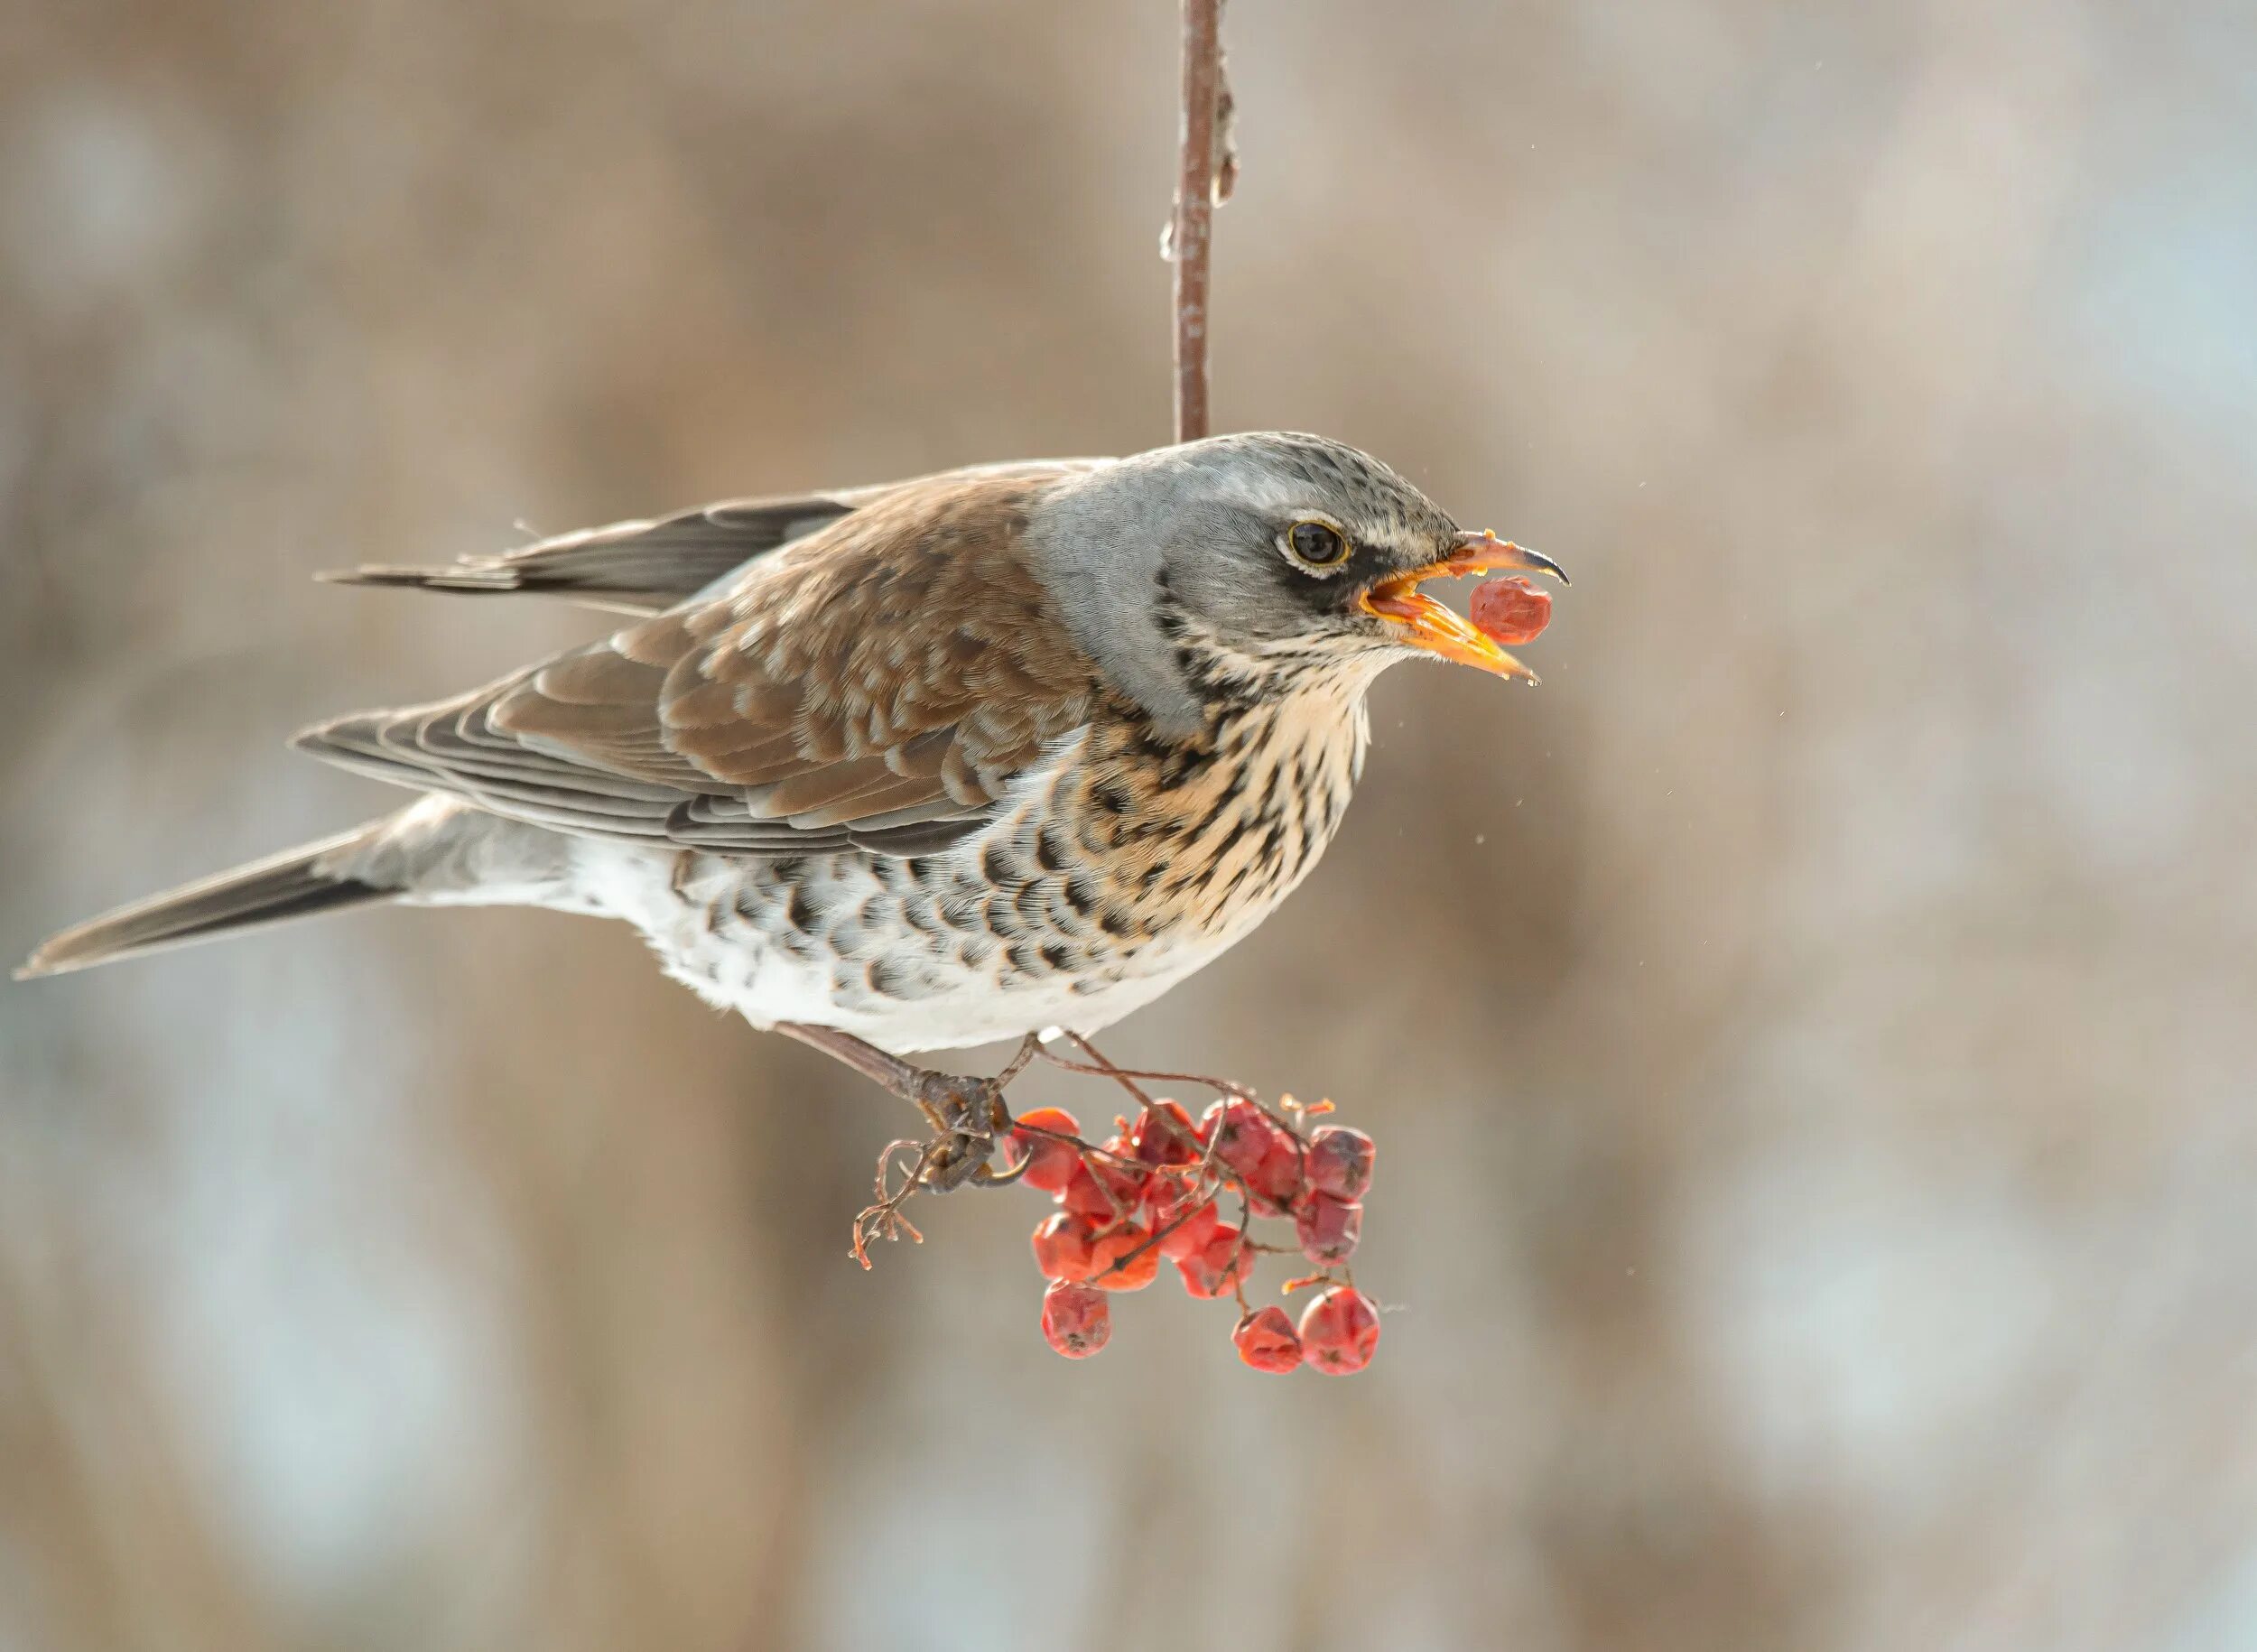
x,y
1421,622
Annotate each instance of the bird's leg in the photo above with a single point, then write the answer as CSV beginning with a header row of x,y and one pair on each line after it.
x,y
967,1114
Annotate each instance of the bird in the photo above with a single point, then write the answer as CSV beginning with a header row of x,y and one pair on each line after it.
x,y
911,767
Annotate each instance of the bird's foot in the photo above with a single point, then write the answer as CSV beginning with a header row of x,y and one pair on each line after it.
x,y
968,1119
968,1115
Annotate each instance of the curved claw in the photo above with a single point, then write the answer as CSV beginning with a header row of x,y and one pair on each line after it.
x,y
947,1173
987,1176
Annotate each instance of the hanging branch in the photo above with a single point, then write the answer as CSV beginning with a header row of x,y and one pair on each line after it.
x,y
1163,1186
1205,179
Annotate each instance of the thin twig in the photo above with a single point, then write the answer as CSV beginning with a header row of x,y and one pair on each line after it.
x,y
1197,182
883,1220
1228,1087
1106,1061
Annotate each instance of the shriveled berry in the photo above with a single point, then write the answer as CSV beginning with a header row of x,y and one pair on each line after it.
x,y
1162,1134
1125,1259
1276,1184
1085,1192
1511,610
1328,1228
1339,1330
1267,1341
1077,1319
1340,1161
1055,1161
1182,1232
1061,1246
1242,1135
1220,1266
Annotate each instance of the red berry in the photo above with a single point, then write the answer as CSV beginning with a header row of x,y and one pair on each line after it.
x,y
1191,1228
1242,1135
1511,610
1061,1246
1125,1259
1266,1340
1220,1266
1077,1319
1055,1161
1340,1162
1162,1134
1328,1228
1339,1330
1275,1185
1085,1192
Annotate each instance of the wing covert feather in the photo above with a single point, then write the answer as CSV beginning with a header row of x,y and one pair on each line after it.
x,y
877,683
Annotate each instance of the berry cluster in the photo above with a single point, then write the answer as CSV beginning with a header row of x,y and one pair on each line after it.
x,y
1154,1192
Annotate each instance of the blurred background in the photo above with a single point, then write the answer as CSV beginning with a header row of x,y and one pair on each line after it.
x,y
1810,1040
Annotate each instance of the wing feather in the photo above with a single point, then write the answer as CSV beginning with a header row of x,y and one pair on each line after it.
x,y
876,683
647,566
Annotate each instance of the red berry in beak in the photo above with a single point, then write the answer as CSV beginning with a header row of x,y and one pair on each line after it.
x,y
1511,611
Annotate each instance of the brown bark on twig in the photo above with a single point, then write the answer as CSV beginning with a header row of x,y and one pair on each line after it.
x,y
1200,181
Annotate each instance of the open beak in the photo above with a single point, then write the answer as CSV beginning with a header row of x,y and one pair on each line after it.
x,y
1421,622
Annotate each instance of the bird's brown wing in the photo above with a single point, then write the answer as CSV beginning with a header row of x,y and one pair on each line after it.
x,y
877,685
645,566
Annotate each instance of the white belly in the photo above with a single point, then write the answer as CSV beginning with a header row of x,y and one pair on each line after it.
x,y
765,983
939,951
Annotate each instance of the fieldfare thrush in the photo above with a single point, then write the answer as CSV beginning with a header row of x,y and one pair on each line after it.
x,y
915,766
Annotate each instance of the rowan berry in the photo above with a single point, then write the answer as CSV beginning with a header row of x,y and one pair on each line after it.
x,y
1220,1266
1276,1184
1183,1228
1126,1260
1266,1340
1340,1162
1163,1134
1339,1330
1055,1161
1511,610
1077,1319
1061,1246
1328,1228
1102,1191
1243,1137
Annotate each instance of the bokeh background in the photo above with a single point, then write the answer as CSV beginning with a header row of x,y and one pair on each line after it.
x,y
1813,1040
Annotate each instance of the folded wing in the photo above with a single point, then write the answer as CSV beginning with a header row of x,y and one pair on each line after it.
x,y
876,683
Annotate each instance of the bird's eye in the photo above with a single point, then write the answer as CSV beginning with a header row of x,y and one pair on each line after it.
x,y
1316,545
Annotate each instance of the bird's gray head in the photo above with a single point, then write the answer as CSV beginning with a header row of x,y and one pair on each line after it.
x,y
1253,565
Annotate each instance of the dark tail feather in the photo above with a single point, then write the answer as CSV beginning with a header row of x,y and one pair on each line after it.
x,y
291,885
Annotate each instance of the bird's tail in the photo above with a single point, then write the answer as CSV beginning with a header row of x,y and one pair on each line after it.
x,y
296,884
